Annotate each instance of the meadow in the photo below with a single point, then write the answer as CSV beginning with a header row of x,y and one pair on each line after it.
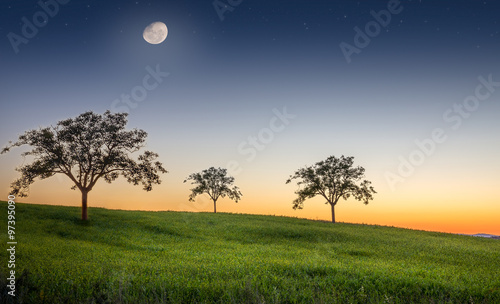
x,y
180,257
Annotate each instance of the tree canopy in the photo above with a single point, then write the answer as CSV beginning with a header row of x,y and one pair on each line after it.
x,y
216,183
87,148
332,179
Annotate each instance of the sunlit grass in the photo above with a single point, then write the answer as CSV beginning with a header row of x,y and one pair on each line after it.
x,y
177,257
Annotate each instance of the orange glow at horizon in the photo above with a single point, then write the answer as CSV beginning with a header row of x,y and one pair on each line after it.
x,y
422,212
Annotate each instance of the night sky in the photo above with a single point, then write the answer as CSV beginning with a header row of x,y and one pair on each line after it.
x,y
411,89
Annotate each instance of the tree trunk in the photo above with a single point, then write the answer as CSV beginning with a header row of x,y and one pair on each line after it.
x,y
84,205
333,213
215,206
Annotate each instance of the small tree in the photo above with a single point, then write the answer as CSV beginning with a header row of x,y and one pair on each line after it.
x,y
86,149
214,182
333,178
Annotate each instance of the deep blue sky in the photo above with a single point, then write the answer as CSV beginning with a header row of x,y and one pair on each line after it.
x,y
92,51
226,77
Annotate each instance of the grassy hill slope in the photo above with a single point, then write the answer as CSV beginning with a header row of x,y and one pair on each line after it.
x,y
178,257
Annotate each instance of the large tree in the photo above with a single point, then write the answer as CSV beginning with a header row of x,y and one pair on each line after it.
x,y
333,178
85,149
214,182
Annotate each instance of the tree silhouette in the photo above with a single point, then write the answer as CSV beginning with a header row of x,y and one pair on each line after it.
x,y
333,178
214,182
86,149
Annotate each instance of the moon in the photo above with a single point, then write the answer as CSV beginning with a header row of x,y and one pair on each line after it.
x,y
155,33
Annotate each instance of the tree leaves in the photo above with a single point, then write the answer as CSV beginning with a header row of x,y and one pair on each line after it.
x,y
215,182
87,148
333,178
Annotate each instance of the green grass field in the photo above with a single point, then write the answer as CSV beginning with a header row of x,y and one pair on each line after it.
x,y
178,257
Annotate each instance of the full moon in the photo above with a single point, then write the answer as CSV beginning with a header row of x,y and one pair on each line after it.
x,y
155,33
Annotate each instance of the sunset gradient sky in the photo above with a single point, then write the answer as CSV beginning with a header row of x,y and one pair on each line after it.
x,y
267,89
